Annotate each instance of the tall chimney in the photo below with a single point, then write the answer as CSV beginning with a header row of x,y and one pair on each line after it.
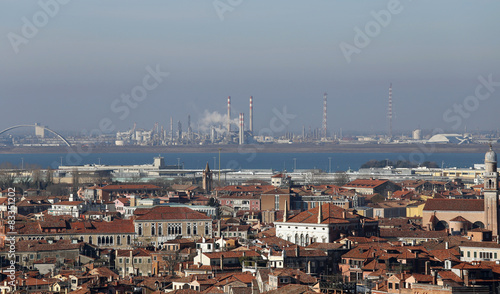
x,y
228,115
218,229
242,131
320,213
171,129
285,211
250,122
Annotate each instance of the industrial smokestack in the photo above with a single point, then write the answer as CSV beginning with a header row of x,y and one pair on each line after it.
x,y
228,115
242,131
171,129
250,122
179,130
325,121
189,130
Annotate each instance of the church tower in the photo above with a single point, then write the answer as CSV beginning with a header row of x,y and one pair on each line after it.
x,y
207,180
491,192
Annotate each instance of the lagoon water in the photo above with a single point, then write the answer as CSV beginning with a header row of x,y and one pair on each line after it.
x,y
276,161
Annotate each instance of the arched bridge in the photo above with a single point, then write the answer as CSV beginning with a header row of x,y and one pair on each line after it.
x,y
37,126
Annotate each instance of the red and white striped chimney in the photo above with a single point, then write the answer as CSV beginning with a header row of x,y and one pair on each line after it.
x,y
250,122
228,115
242,130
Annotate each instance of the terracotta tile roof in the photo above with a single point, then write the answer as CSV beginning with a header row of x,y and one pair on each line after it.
x,y
274,241
43,245
116,226
454,204
104,272
421,278
325,246
392,233
138,252
374,265
365,183
184,291
184,187
129,187
246,188
449,275
267,233
292,289
231,254
444,254
172,213
330,214
360,240
480,244
213,290
275,191
459,219
124,200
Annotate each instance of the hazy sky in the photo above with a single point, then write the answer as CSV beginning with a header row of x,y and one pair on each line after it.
x,y
80,59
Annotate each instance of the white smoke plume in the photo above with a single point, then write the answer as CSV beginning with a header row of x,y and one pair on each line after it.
x,y
216,120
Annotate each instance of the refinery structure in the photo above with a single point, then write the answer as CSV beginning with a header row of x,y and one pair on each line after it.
x,y
236,129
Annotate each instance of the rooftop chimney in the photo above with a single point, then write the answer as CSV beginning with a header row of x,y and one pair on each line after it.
x,y
285,211
222,262
320,213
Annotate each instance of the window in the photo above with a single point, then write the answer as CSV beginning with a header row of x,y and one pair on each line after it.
x,y
149,260
140,260
120,260
485,255
276,202
468,253
475,254
127,260
135,260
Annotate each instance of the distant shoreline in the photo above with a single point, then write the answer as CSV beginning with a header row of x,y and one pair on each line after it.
x,y
263,148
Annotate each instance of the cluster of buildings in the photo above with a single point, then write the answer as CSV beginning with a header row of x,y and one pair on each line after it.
x,y
274,236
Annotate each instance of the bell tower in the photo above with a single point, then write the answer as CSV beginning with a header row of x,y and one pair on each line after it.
x,y
207,180
491,192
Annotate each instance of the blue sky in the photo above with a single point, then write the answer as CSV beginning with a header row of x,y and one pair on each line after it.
x,y
284,53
